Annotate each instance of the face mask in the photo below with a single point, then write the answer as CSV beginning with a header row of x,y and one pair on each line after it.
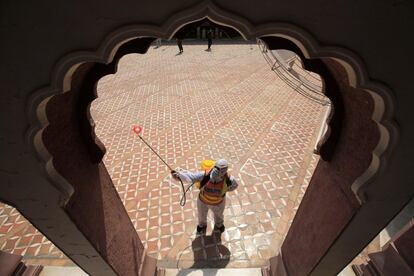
x,y
218,175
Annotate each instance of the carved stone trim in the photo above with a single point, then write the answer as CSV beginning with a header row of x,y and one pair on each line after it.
x,y
358,77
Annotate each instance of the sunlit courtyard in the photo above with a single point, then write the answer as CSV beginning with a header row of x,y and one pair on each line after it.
x,y
224,103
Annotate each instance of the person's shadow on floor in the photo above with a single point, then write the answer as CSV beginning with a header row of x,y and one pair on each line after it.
x,y
208,253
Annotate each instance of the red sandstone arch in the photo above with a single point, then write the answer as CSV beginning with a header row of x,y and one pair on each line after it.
x,y
363,110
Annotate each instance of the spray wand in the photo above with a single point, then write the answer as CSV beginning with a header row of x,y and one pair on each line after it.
x,y
137,130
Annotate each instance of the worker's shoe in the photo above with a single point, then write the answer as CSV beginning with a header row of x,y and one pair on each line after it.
x,y
219,229
201,229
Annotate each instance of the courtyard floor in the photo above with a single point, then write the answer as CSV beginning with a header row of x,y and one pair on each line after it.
x,y
226,103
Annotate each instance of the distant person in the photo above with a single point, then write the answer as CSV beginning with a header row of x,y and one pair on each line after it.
x,y
209,39
180,45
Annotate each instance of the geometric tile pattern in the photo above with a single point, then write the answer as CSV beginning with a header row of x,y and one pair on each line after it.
x,y
18,236
226,103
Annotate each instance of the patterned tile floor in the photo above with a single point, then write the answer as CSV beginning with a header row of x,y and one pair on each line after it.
x,y
226,103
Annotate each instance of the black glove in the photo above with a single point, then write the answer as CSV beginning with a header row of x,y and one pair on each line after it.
x,y
175,175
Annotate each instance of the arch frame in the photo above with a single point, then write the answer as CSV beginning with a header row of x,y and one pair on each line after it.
x,y
357,77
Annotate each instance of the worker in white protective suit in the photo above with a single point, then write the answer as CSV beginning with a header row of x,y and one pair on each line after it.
x,y
214,183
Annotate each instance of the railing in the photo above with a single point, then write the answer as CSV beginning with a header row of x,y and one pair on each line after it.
x,y
299,82
304,83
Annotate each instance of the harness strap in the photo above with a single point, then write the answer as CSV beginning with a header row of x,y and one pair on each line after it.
x,y
205,179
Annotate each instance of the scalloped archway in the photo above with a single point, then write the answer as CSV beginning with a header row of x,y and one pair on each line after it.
x,y
73,162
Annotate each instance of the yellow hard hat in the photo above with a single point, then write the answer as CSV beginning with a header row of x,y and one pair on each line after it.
x,y
207,164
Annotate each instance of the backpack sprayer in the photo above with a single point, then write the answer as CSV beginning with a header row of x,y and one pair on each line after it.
x,y
137,130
